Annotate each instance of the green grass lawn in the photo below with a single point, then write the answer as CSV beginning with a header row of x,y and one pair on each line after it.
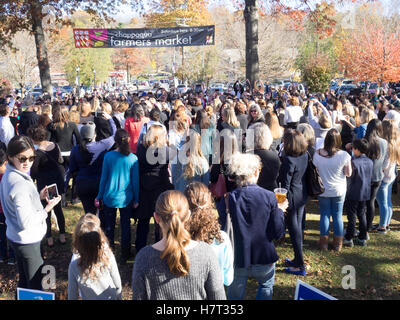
x,y
377,266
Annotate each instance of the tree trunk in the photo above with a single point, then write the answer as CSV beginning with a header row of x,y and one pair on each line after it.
x,y
251,24
41,48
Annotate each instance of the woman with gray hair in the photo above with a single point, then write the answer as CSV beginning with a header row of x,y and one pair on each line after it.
x,y
255,115
258,141
257,220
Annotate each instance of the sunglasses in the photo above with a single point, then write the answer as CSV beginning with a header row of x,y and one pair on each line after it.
x,y
253,111
24,159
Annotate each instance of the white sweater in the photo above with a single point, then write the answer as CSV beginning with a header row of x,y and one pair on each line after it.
x,y
25,216
292,114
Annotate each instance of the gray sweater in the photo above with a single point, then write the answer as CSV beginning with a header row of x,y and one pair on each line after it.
x,y
107,287
152,279
25,216
377,174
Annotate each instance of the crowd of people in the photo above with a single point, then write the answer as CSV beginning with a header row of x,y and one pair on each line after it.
x,y
204,167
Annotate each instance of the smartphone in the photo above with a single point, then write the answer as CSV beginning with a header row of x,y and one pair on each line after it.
x,y
52,191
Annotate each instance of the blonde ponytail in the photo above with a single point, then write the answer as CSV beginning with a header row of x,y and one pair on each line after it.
x,y
173,210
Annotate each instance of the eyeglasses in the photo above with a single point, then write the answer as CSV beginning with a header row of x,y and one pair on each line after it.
x,y
253,111
24,159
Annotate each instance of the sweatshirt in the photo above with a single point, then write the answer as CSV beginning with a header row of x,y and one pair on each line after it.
x,y
119,183
24,212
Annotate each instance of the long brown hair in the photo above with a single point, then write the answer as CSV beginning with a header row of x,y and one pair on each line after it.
x,y
60,117
173,210
391,135
203,224
332,142
90,242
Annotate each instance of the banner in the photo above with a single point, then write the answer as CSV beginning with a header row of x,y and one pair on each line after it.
x,y
144,38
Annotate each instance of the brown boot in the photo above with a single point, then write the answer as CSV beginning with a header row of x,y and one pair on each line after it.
x,y
323,243
337,243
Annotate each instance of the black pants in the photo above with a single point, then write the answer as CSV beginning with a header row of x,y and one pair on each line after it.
x,y
60,219
142,232
356,209
108,219
5,248
371,204
294,220
87,191
29,264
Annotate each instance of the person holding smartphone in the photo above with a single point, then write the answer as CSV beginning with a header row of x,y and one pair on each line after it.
x,y
24,212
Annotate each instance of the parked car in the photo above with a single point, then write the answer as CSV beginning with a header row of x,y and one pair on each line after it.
x,y
182,88
198,88
373,88
345,89
216,87
144,86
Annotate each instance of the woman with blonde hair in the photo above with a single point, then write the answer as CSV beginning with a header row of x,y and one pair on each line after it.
x,y
194,165
154,179
272,121
186,269
321,124
229,120
96,105
93,273
203,226
384,195
86,113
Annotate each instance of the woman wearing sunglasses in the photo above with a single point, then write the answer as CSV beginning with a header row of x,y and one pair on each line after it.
x,y
25,216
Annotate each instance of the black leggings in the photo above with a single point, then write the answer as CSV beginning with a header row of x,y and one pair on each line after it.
x,y
142,232
29,265
371,204
60,219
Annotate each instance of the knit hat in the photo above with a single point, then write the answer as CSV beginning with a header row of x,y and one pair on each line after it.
x,y
88,131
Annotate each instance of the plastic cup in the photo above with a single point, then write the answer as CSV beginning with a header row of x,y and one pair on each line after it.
x,y
280,194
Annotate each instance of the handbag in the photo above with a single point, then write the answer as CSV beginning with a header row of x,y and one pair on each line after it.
x,y
218,189
228,224
314,184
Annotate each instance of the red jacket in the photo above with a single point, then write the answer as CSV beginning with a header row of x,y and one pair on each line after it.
x,y
133,127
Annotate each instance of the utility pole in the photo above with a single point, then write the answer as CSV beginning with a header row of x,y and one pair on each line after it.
x,y
181,22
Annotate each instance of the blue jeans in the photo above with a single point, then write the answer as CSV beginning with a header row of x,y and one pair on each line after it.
x,y
384,198
265,276
331,207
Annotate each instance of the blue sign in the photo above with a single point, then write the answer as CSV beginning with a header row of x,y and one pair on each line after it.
x,y
28,294
305,291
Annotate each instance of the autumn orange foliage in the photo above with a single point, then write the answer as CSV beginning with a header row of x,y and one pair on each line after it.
x,y
372,53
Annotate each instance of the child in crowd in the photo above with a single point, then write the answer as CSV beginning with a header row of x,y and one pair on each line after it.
x,y
6,252
93,272
203,225
358,193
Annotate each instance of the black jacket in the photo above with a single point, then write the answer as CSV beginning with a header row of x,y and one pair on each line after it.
x,y
270,169
27,120
292,178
